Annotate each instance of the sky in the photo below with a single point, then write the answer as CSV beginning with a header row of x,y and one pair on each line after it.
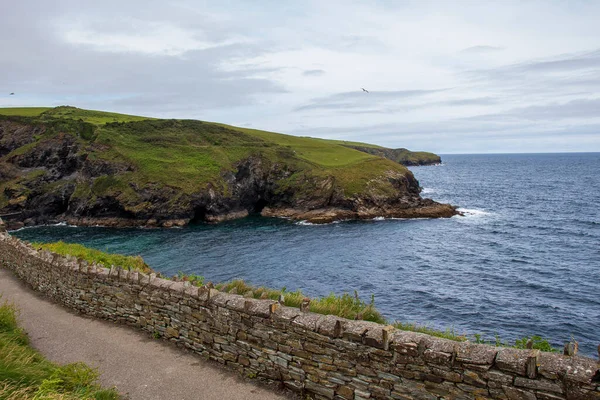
x,y
442,76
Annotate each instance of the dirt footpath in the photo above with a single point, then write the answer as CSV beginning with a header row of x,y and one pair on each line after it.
x,y
140,367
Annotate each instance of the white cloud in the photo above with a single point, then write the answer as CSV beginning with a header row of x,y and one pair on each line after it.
x,y
146,37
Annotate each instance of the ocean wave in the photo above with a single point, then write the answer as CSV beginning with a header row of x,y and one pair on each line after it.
x,y
428,190
43,226
63,224
473,212
307,223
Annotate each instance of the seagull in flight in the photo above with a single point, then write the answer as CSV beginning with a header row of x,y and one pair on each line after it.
x,y
364,90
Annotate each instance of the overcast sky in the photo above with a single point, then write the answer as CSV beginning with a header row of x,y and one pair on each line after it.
x,y
442,76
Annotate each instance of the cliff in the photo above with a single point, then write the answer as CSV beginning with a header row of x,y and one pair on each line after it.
x,y
402,156
89,167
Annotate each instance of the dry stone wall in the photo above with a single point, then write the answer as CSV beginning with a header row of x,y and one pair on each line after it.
x,y
325,357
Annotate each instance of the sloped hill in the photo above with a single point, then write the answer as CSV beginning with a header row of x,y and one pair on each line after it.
x,y
93,167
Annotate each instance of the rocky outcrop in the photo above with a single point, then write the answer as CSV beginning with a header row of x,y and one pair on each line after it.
x,y
401,156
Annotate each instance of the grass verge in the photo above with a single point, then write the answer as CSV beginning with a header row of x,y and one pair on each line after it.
x,y
131,263
345,305
27,375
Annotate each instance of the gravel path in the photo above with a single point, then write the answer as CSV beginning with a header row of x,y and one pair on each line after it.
x,y
140,367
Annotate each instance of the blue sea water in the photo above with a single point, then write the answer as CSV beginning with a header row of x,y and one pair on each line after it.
x,y
525,258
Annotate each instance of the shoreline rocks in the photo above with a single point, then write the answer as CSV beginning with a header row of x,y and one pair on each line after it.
x,y
316,216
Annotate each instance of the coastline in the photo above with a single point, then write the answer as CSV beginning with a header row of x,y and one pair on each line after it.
x,y
429,209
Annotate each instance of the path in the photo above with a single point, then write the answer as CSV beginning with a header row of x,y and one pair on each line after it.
x,y
137,365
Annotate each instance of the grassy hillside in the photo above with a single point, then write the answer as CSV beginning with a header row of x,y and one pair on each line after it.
x,y
189,154
73,162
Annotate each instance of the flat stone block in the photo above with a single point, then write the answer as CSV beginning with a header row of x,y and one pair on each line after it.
x,y
539,384
407,343
478,354
331,326
356,331
518,394
514,360
307,321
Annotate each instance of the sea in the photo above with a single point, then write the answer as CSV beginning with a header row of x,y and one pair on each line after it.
x,y
523,260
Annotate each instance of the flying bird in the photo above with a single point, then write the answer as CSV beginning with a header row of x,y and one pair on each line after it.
x,y
12,93
364,90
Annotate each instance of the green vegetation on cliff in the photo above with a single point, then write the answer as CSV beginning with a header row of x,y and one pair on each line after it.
x,y
27,375
189,154
71,163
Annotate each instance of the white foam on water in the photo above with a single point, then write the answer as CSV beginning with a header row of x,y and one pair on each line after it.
x,y
307,223
64,224
379,219
428,190
473,212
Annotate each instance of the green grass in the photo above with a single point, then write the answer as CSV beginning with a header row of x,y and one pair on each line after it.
x,y
322,152
357,144
90,116
538,343
27,375
345,305
23,111
131,263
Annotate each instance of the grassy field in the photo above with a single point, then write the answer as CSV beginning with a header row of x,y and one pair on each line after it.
x,y
322,152
27,375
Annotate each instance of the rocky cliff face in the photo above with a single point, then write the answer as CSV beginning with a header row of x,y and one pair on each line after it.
x,y
49,178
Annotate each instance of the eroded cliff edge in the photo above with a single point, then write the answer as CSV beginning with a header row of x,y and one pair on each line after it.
x,y
92,168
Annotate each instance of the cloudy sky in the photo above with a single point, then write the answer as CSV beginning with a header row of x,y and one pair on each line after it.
x,y
448,77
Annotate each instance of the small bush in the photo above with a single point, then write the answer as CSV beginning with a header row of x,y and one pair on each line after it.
x,y
539,343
